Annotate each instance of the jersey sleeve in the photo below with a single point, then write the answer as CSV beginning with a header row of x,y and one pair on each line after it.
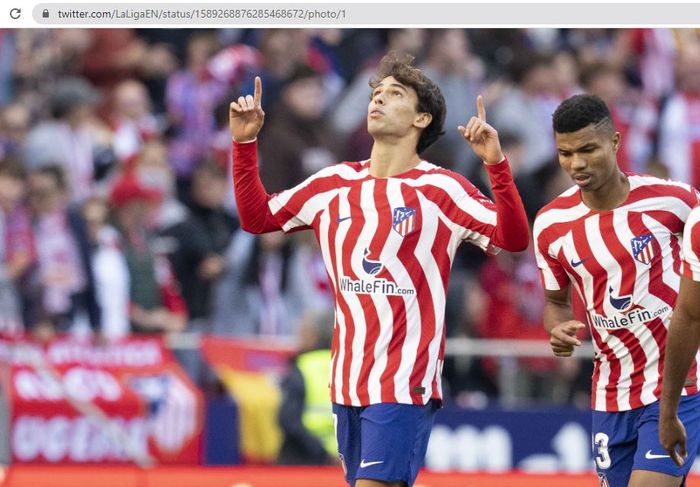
x,y
553,275
691,246
297,207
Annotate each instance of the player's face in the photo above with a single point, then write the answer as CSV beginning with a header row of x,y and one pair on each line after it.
x,y
392,109
589,156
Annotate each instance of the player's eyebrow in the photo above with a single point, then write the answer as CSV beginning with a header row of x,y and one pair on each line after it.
x,y
390,85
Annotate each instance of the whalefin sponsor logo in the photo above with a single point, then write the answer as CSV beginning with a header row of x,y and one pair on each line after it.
x,y
634,316
371,266
620,303
374,285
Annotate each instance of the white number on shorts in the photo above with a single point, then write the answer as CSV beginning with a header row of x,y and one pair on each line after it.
x,y
603,457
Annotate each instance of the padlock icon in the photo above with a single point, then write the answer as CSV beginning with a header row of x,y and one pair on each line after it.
x,y
45,13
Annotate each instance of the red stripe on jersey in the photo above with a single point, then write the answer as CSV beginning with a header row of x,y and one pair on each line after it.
x,y
638,361
372,319
591,264
340,302
357,222
455,214
658,331
616,248
664,190
439,252
657,286
562,203
398,311
426,306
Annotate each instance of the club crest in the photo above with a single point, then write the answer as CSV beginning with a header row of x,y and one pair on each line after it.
x,y
643,249
404,220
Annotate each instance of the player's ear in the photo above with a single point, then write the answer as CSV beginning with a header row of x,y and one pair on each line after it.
x,y
423,119
616,141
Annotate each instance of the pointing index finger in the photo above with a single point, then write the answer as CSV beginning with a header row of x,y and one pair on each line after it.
x,y
480,110
257,94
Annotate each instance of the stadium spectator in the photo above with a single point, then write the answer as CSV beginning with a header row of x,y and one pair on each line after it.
x,y
132,120
305,414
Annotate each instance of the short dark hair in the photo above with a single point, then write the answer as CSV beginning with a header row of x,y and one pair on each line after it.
x,y
580,111
12,168
430,99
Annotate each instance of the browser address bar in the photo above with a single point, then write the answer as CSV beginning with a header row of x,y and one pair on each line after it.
x,y
367,14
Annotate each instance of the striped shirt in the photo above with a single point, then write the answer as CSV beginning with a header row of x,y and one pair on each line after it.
x,y
388,245
625,264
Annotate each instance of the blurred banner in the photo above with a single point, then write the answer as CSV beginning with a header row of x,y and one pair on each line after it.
x,y
250,370
75,402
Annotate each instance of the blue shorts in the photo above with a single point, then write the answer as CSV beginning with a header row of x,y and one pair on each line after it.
x,y
629,440
384,442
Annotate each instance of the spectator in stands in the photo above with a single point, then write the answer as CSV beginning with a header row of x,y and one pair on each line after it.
x,y
110,270
156,305
679,128
305,414
526,108
198,243
450,63
14,126
132,120
191,97
61,293
65,140
302,141
17,251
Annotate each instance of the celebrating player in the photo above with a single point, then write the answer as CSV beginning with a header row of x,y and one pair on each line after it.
x,y
681,362
616,238
388,228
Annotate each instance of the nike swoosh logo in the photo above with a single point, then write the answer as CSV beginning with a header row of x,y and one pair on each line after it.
x,y
578,263
364,464
651,456
341,219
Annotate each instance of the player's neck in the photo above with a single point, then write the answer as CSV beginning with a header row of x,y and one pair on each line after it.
x,y
391,159
610,195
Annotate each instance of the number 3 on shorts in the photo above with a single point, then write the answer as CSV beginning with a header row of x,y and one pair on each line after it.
x,y
602,459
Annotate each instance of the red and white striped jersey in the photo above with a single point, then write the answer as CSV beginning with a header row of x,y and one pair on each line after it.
x,y
388,245
625,264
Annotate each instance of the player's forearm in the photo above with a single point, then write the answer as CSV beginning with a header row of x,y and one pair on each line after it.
x,y
251,197
681,346
512,230
555,313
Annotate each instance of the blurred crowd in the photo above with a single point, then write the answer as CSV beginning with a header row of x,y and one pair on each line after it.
x,y
116,209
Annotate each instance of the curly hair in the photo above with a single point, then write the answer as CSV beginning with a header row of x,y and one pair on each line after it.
x,y
580,111
430,99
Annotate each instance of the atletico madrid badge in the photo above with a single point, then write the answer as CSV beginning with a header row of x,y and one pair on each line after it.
x,y
404,220
642,248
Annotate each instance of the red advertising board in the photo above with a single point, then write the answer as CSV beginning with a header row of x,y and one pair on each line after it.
x,y
74,402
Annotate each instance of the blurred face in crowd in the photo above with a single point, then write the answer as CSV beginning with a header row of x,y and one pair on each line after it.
x,y
609,85
589,155
306,98
14,122
210,187
392,111
199,50
688,68
45,193
11,191
152,168
131,100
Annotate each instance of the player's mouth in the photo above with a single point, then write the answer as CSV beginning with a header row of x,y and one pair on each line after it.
x,y
376,113
581,179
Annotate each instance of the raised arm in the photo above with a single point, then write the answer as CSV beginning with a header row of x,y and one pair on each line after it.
x,y
246,118
512,230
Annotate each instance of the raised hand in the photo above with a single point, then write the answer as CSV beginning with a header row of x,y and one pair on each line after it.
x,y
563,339
481,136
246,116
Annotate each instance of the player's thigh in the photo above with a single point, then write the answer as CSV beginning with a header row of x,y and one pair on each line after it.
x,y
377,483
651,456
614,447
647,478
348,433
394,441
